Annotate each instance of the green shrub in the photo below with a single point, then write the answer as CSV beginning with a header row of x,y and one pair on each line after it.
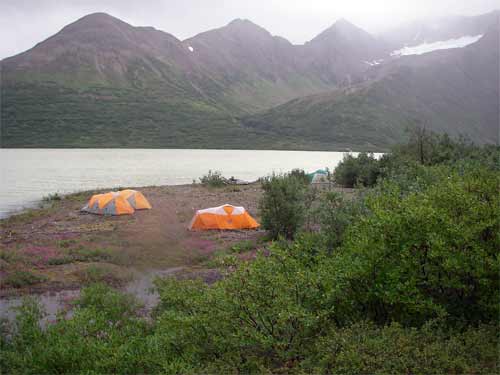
x,y
363,169
300,175
282,208
213,179
426,254
335,214
364,348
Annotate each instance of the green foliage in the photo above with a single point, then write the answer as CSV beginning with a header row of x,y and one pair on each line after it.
x,y
335,214
361,170
19,279
282,208
300,175
426,254
243,246
365,348
213,179
101,337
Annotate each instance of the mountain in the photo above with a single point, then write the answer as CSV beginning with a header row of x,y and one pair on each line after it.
x,y
101,82
453,91
252,68
440,29
340,53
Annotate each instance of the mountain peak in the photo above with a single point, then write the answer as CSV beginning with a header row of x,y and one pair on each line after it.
x,y
96,18
345,31
245,25
96,21
345,27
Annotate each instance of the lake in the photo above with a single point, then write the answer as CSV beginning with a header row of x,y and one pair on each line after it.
x,y
27,175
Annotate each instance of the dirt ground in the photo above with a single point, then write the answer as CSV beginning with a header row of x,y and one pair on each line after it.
x,y
58,247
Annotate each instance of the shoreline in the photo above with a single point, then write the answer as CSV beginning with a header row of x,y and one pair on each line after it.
x,y
38,204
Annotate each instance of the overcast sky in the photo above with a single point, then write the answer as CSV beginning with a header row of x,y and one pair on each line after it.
x,y
23,23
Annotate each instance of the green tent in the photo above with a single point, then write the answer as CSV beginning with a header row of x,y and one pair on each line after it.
x,y
318,176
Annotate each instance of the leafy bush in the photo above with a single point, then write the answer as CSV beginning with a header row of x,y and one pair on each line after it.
x,y
364,348
282,208
213,179
427,254
361,170
335,214
101,337
300,174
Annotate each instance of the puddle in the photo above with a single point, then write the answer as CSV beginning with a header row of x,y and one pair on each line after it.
x,y
53,302
142,287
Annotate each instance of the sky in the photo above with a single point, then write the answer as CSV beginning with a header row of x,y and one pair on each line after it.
x,y
23,23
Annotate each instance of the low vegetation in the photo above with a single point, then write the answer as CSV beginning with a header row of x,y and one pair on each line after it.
x,y
400,278
213,179
22,278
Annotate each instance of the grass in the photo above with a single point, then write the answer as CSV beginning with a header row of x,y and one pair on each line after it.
x,y
7,256
243,246
19,279
87,255
226,257
105,273
64,244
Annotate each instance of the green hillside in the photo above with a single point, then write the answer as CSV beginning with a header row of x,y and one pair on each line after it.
x,y
101,82
452,91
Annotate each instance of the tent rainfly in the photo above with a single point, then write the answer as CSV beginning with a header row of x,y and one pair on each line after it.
x,y
318,176
111,203
226,217
136,199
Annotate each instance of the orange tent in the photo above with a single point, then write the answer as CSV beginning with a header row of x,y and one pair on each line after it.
x,y
108,204
223,217
136,199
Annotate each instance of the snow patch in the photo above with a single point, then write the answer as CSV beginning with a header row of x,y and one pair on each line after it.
x,y
374,62
191,48
434,46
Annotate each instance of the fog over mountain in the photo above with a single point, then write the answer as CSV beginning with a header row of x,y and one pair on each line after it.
x,y
101,82
24,23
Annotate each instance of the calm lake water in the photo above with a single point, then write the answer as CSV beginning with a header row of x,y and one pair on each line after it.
x,y
27,175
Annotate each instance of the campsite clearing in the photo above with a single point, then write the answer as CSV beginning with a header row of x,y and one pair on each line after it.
x,y
58,247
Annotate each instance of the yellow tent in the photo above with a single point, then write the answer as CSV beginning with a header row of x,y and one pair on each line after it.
x,y
223,217
108,204
136,199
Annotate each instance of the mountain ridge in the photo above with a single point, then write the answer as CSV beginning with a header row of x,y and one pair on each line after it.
x,y
101,73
